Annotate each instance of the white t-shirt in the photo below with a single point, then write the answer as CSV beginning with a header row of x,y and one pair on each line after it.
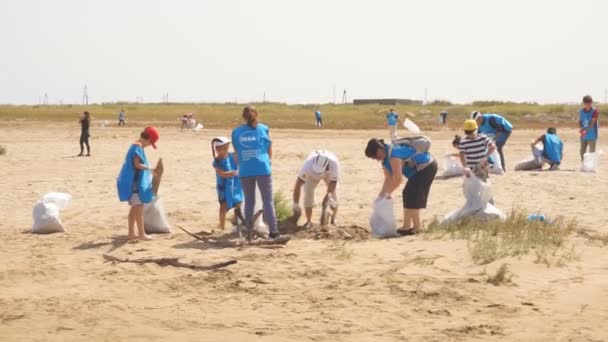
x,y
332,174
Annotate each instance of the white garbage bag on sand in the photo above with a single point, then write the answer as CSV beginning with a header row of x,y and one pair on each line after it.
x,y
198,127
534,162
451,166
478,195
46,213
496,168
155,218
590,162
411,126
382,220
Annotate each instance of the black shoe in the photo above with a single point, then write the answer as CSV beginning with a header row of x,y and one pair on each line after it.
x,y
274,235
407,232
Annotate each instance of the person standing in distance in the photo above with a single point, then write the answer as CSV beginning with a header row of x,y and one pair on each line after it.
x,y
392,120
589,127
121,117
85,123
253,149
318,118
496,127
320,165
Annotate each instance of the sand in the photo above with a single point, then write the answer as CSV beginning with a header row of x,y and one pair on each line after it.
x,y
321,287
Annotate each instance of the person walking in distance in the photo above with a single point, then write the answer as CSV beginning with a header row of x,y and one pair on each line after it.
x,y
85,123
589,126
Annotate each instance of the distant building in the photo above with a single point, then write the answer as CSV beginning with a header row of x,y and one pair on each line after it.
x,y
386,102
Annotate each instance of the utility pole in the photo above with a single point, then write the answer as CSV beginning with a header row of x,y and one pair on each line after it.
x,y
85,96
46,99
425,94
334,94
344,97
606,96
264,99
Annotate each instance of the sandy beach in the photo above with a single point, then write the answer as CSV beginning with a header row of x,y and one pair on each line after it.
x,y
320,287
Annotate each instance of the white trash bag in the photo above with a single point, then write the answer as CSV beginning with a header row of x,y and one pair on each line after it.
x,y
198,127
46,213
478,195
496,168
452,166
155,219
382,220
590,162
411,126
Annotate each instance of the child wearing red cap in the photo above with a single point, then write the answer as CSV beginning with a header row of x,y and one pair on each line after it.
x,y
134,182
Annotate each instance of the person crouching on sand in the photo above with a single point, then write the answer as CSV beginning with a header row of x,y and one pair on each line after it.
x,y
229,191
134,182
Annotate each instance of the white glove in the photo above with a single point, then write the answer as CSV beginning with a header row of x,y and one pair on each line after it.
x,y
295,207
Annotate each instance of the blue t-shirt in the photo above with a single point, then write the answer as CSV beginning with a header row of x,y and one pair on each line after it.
x,y
405,152
318,114
251,145
392,118
229,190
131,180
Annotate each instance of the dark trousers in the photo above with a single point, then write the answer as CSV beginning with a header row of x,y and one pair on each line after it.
x,y
499,146
84,140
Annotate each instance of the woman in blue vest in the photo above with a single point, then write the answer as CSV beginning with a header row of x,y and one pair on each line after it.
x,y
496,127
588,116
553,148
419,169
253,149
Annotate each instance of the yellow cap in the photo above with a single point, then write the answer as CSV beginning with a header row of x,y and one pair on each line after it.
x,y
470,125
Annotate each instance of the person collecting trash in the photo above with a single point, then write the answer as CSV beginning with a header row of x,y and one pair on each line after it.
x,y
474,147
320,165
85,123
229,190
121,117
392,120
407,157
553,149
588,123
134,183
496,127
318,118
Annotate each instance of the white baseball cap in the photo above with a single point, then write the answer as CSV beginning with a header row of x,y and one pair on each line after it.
x,y
220,141
475,115
320,163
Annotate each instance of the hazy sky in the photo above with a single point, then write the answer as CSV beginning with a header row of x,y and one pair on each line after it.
x,y
297,51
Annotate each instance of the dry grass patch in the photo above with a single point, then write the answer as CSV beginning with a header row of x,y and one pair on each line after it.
x,y
502,277
2,150
492,240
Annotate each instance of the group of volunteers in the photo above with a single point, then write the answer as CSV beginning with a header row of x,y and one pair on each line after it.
x,y
239,173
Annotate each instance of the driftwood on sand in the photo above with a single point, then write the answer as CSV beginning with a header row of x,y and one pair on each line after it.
x,y
262,243
169,262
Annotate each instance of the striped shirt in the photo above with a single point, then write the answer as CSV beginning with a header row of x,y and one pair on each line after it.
x,y
475,149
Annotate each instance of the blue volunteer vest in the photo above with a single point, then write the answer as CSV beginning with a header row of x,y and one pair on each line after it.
x,y
552,148
229,190
404,152
131,181
585,118
486,128
251,145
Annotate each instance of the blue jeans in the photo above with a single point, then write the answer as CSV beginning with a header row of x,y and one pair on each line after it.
x,y
265,185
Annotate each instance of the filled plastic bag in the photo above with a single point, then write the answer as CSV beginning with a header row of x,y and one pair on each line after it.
x,y
451,166
529,164
155,218
198,127
590,162
411,126
496,168
259,227
46,213
382,220
478,195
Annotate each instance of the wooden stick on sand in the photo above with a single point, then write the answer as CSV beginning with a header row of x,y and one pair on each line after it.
x,y
169,262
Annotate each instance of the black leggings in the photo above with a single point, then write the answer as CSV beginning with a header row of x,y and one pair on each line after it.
x,y
84,140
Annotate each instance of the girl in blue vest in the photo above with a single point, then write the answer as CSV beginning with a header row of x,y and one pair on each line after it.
x,y
419,169
588,123
229,191
253,149
134,182
496,126
553,148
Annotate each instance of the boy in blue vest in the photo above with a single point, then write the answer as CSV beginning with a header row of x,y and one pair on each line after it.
x,y
553,148
318,118
588,117
496,127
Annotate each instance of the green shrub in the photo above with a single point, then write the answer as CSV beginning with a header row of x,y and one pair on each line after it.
x,y
281,206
